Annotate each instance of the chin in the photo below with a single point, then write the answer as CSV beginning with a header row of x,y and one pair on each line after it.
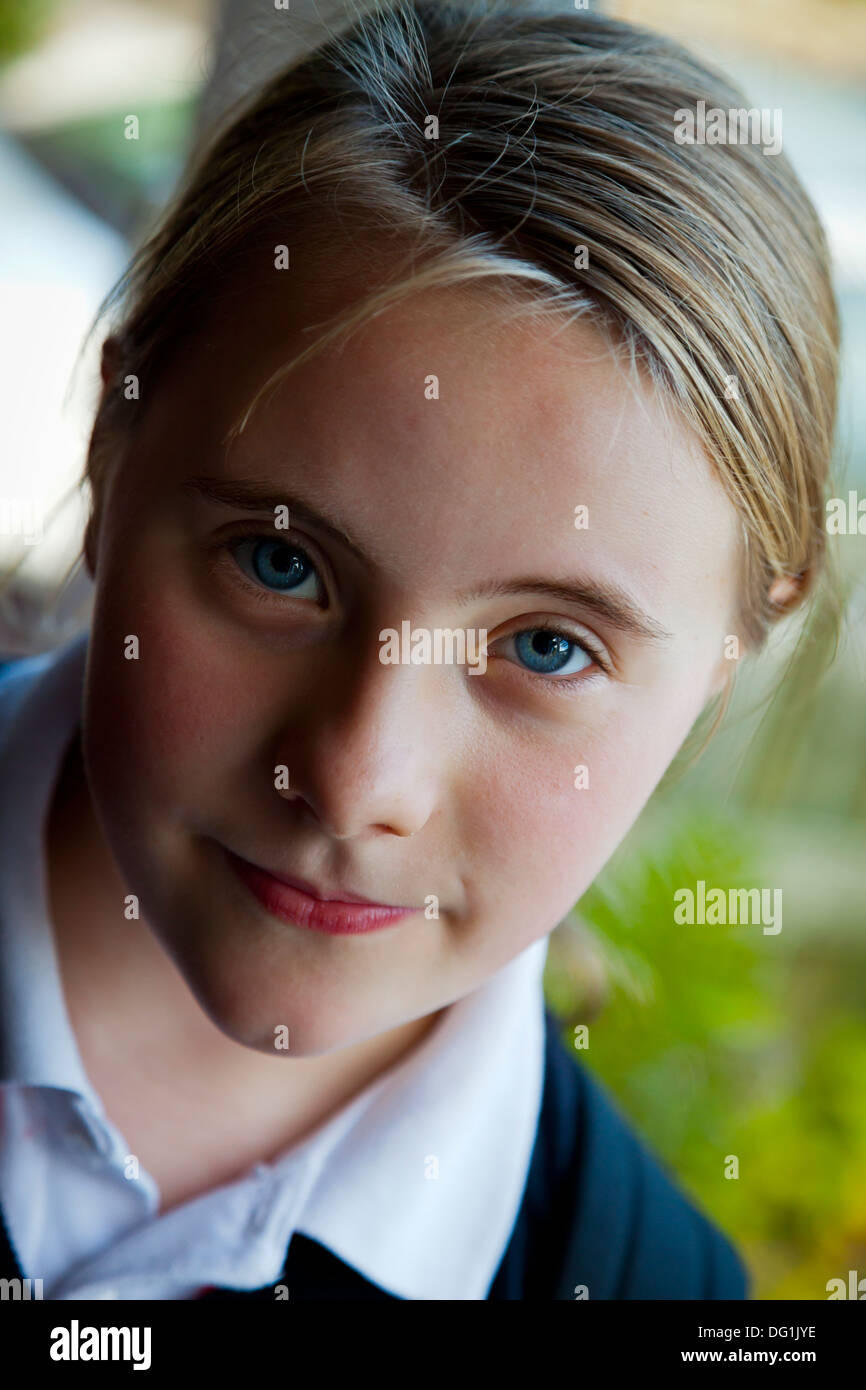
x,y
257,1013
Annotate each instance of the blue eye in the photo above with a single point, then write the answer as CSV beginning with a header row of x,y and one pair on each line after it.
x,y
279,566
549,653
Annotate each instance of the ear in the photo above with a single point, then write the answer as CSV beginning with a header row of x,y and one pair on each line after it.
x,y
110,363
785,589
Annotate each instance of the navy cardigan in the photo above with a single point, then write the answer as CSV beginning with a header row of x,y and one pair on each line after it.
x,y
599,1213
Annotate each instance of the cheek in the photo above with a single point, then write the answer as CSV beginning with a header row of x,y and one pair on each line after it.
x,y
162,729
544,815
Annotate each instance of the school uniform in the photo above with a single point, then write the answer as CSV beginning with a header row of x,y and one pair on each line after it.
x,y
488,1164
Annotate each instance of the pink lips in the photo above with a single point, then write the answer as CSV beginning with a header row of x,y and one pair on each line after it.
x,y
293,904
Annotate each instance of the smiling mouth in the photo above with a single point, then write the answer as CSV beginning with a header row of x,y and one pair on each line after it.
x,y
286,899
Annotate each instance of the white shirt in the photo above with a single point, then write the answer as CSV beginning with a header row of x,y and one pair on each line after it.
x,y
416,1182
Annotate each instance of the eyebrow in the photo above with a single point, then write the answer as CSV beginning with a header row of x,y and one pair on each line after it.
x,y
248,495
609,601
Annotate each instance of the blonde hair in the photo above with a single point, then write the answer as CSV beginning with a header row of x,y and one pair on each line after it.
x,y
706,263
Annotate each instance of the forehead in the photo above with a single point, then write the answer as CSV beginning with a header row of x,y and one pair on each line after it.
x,y
456,440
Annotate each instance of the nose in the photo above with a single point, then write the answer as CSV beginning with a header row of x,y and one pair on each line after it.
x,y
363,756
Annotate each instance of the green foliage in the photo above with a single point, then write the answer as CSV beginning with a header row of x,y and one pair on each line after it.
x,y
127,180
716,1042
22,24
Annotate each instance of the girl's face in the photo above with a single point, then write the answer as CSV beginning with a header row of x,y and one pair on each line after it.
x,y
446,504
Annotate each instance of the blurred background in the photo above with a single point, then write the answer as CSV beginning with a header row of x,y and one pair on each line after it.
x,y
716,1041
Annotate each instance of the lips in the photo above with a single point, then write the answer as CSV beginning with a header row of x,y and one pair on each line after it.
x,y
338,896
294,900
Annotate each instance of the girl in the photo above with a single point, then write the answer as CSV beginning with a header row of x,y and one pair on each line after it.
x,y
448,332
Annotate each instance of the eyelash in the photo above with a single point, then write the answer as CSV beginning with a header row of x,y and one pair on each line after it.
x,y
263,595
258,591
581,642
